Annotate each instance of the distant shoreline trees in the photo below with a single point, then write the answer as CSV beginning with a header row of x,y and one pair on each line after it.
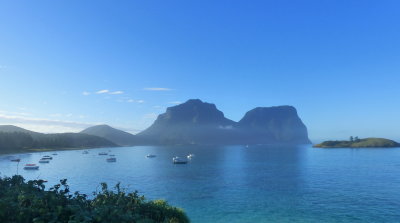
x,y
354,139
21,141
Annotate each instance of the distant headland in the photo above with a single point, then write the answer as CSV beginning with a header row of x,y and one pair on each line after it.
x,y
359,143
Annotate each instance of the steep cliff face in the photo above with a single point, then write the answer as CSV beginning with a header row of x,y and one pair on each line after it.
x,y
193,112
275,124
197,122
193,122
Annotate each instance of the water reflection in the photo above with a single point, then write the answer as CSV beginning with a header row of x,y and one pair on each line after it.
x,y
238,183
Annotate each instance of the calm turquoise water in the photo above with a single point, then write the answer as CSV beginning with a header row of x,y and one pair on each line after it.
x,y
238,184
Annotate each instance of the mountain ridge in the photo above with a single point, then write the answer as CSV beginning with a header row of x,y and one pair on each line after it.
x,y
116,136
17,139
198,122
194,122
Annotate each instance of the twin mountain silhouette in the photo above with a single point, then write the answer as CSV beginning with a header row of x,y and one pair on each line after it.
x,y
193,122
198,122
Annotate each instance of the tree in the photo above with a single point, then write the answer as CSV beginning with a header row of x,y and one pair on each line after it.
x,y
22,202
356,139
351,139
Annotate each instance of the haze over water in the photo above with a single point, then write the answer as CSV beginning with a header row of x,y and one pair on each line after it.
x,y
239,184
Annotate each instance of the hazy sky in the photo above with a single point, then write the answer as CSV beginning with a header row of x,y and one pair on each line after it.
x,y
66,65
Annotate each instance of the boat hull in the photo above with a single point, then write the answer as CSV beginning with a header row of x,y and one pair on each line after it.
x,y
31,168
111,160
180,162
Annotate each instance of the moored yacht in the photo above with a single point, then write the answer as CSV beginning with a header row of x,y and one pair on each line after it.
x,y
179,160
31,167
111,159
44,161
150,156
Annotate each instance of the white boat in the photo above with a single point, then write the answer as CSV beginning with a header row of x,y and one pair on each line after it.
x,y
44,161
190,156
31,167
103,154
112,155
54,154
111,159
47,158
179,160
85,152
150,156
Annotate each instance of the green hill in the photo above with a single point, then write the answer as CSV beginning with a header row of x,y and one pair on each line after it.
x,y
14,139
114,135
361,143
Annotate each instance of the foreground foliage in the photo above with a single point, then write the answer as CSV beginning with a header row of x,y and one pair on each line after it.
x,y
22,202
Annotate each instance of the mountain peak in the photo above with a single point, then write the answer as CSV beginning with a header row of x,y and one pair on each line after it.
x,y
194,111
194,101
13,128
200,122
114,135
281,123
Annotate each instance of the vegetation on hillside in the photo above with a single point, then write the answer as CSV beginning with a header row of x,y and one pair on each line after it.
x,y
11,142
22,202
114,135
359,143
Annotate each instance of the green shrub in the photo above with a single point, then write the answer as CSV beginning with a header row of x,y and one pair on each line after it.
x,y
22,202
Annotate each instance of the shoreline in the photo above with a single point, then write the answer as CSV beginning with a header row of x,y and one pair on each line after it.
x,y
51,150
165,145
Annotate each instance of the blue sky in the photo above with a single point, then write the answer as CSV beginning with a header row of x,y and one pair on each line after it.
x,y
66,65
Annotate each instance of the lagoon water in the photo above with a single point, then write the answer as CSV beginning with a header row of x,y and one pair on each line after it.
x,y
239,184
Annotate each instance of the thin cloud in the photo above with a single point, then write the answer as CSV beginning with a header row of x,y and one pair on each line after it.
x,y
116,92
44,125
105,91
24,114
157,89
56,115
102,92
175,102
136,101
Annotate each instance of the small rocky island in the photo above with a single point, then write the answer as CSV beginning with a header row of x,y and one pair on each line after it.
x,y
359,143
